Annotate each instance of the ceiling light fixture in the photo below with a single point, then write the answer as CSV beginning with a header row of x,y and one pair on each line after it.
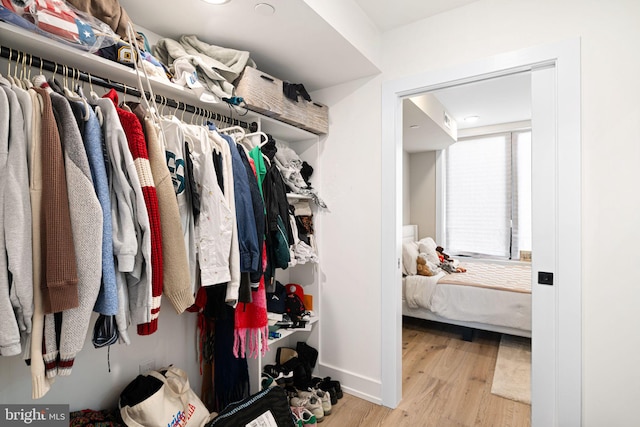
x,y
264,9
216,1
471,119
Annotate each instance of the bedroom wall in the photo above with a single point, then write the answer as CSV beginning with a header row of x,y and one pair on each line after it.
x,y
610,151
406,188
422,193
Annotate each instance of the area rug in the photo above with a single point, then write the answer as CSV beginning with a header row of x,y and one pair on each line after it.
x,y
512,376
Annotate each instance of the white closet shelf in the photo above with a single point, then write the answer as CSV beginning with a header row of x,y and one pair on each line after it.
x,y
19,39
284,333
286,132
294,196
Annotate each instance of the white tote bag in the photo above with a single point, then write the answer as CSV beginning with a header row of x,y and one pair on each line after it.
x,y
173,404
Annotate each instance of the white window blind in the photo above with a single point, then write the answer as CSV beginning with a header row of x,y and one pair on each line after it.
x,y
485,180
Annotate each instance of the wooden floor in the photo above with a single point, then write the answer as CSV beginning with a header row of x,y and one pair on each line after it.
x,y
446,383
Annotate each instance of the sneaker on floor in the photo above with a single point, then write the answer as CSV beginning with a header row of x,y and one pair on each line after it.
x,y
274,372
326,383
290,391
333,398
311,403
303,416
267,381
324,397
282,376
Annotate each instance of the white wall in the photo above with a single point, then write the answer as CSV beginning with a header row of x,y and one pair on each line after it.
x,y
350,284
350,250
609,33
406,187
422,192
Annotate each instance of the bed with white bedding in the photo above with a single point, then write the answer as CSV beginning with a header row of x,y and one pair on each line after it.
x,y
494,295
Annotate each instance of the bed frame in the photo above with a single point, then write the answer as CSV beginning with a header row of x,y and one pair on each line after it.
x,y
410,233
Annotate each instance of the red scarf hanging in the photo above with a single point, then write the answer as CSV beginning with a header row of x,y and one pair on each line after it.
x,y
251,321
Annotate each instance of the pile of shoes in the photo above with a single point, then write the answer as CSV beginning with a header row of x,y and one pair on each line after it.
x,y
332,387
311,405
310,398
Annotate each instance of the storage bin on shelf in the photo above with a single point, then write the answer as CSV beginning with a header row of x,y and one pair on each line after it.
x,y
264,94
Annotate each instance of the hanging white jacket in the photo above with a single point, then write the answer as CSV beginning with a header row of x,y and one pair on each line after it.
x,y
215,223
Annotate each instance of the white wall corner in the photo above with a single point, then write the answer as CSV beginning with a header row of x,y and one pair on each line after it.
x,y
348,19
360,386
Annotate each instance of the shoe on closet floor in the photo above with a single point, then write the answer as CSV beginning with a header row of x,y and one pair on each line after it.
x,y
281,376
331,393
267,381
312,403
303,417
324,397
326,383
284,354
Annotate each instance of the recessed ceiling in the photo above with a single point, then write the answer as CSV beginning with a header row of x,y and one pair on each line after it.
x,y
495,101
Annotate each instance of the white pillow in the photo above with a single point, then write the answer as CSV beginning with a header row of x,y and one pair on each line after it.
x,y
409,258
428,247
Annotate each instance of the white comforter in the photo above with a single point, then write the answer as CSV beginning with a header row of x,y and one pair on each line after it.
x,y
419,290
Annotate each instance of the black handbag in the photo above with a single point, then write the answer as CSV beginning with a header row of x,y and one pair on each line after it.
x,y
264,408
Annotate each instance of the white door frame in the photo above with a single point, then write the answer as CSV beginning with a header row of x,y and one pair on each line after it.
x,y
557,310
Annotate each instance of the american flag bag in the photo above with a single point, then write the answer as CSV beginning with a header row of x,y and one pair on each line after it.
x,y
56,18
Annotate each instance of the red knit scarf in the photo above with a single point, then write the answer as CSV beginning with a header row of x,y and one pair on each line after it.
x,y
251,320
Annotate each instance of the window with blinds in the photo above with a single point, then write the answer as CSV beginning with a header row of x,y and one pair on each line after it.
x,y
487,209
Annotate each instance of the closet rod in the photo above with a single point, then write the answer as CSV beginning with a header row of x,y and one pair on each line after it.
x,y
18,56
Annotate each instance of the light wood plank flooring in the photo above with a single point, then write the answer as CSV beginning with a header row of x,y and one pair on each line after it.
x,y
447,383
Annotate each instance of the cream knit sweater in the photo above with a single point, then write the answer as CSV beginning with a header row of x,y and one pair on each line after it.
x,y
176,277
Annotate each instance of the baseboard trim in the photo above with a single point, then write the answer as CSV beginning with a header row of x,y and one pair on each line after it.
x,y
354,384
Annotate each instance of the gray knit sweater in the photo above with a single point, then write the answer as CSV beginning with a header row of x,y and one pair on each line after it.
x,y
17,224
86,223
9,334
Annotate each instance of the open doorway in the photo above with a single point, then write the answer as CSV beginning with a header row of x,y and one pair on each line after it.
x,y
466,159
556,339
